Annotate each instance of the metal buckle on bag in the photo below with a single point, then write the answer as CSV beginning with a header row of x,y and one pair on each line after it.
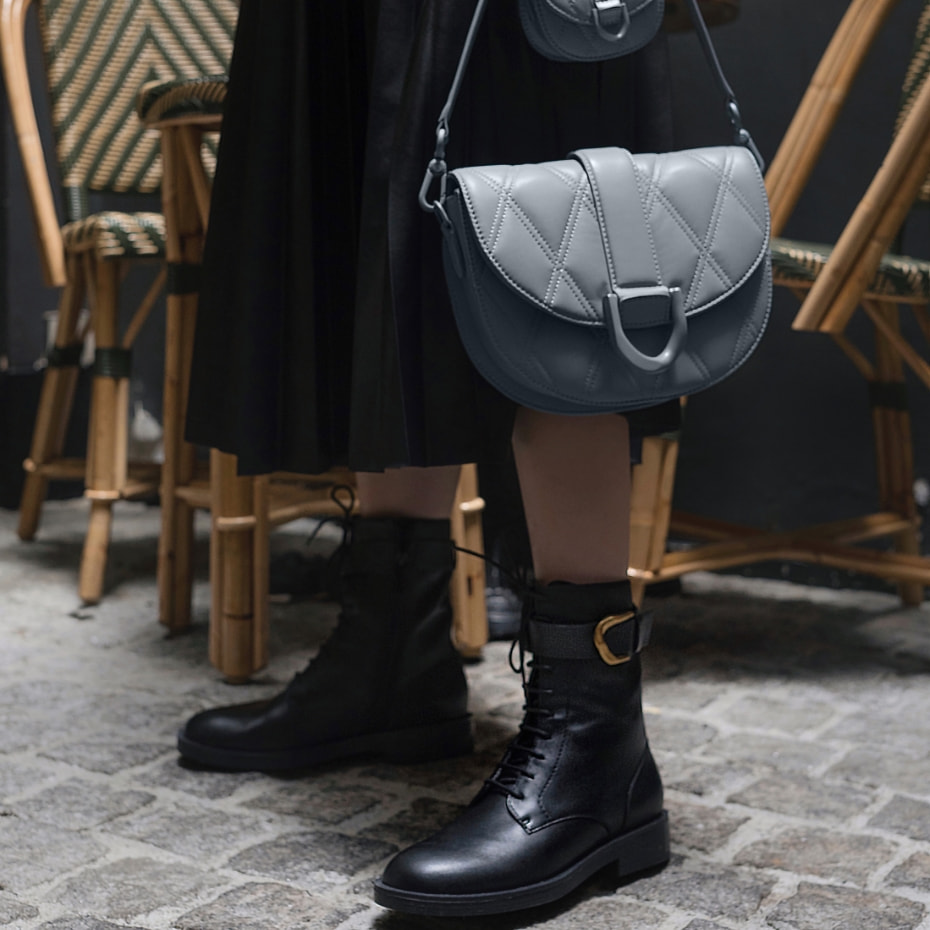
x,y
605,6
641,298
600,643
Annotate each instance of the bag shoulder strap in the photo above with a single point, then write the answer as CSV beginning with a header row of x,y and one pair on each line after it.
x,y
438,169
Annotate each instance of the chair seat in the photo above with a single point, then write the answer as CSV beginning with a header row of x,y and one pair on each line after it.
x,y
798,264
112,235
184,97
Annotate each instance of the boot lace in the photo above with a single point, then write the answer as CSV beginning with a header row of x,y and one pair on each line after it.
x,y
534,729
344,497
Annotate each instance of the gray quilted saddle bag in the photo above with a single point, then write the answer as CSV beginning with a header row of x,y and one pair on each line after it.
x,y
606,281
590,30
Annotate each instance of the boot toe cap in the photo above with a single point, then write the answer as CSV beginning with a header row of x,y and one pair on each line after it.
x,y
224,727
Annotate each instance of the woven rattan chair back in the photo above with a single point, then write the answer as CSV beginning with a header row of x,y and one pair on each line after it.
x,y
917,72
98,53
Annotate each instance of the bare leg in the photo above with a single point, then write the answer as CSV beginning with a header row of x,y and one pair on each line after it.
x,y
418,493
575,481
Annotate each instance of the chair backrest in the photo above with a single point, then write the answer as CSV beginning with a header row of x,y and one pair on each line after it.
x,y
881,212
917,71
821,104
98,53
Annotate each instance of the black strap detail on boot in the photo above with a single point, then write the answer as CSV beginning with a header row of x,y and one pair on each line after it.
x,y
614,639
113,363
65,356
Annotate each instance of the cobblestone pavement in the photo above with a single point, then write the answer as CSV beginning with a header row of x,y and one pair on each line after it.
x,y
791,725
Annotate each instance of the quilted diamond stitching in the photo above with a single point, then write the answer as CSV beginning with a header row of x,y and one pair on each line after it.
x,y
760,221
725,181
506,204
653,180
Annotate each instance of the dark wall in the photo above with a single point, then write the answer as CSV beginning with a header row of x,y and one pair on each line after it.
x,y
787,440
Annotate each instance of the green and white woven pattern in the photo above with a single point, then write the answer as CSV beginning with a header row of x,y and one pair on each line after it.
x,y
99,53
112,235
799,263
917,71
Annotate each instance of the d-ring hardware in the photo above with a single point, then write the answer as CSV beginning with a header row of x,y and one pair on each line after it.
x,y
603,650
613,318
611,34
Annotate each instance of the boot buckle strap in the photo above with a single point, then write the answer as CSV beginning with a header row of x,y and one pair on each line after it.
x,y
600,641
614,639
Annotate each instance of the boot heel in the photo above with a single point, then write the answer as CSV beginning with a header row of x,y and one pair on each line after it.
x,y
647,847
443,740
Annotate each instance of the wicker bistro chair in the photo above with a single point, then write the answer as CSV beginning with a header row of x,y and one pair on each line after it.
x,y
97,53
833,280
243,510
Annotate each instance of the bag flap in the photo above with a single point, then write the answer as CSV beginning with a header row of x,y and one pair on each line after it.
x,y
579,11
704,212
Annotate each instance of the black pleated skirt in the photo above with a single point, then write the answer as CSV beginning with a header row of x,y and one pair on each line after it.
x,y
324,333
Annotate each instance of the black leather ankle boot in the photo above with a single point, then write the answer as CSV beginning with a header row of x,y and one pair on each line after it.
x,y
577,790
388,682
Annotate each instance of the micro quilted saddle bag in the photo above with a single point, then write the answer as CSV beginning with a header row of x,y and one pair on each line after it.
x,y
589,30
606,281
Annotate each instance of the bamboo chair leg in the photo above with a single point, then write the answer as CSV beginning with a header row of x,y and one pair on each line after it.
x,y
893,446
55,403
108,438
175,542
233,590
183,580
183,248
651,509
467,591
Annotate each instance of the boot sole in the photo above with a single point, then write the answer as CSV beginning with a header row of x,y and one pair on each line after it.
x,y
426,743
644,848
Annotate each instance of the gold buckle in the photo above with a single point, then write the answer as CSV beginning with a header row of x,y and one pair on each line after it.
x,y
600,643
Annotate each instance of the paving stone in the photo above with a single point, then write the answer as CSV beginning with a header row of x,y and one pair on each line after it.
x,y
605,913
423,818
700,827
323,803
773,714
130,887
266,906
106,755
138,713
809,798
818,907
711,891
700,778
192,831
12,910
913,872
84,923
875,768
15,779
32,853
77,804
905,816
677,694
21,729
782,755
903,725
461,775
192,781
814,851
312,859
42,693
677,734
